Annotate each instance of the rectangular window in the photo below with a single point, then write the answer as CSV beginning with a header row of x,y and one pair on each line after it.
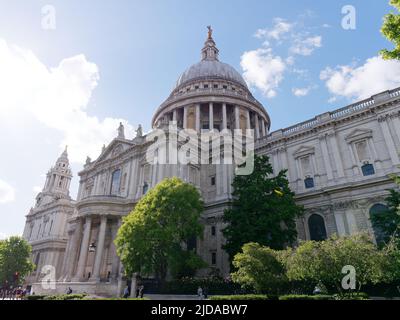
x,y
213,231
368,169
215,86
115,182
213,258
309,183
213,181
205,86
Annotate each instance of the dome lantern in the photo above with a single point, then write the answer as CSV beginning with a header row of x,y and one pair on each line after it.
x,y
210,50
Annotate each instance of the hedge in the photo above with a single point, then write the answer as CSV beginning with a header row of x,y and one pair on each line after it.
x,y
305,297
35,297
119,298
241,297
57,297
351,296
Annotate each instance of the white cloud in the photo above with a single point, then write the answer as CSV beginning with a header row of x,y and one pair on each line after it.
x,y
37,189
281,27
263,70
374,76
306,46
57,97
301,92
7,192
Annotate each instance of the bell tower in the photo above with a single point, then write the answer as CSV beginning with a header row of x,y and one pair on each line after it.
x,y
58,181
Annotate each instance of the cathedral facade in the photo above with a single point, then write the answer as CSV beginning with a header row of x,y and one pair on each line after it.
x,y
338,165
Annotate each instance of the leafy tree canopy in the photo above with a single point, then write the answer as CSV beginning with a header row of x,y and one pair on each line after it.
x,y
151,237
263,210
15,263
391,30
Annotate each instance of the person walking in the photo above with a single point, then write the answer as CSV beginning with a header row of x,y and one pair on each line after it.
x,y
126,292
200,293
141,291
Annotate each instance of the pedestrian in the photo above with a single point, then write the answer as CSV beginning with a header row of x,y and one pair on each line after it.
x,y
69,290
141,291
126,292
205,293
200,293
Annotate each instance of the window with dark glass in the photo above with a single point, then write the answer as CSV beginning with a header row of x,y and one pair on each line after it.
x,y
213,231
215,86
192,244
213,181
213,258
115,182
309,183
205,86
316,226
368,169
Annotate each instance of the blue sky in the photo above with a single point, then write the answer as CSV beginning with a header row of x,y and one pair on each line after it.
x,y
122,58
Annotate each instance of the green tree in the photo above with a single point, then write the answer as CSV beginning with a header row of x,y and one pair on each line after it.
x,y
151,237
15,263
391,30
388,223
263,210
259,268
324,261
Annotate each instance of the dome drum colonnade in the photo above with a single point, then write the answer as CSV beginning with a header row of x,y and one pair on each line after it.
x,y
212,95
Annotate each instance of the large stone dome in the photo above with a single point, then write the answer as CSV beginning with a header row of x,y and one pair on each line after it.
x,y
210,69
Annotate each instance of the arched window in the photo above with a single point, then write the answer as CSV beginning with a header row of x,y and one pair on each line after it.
x,y
377,209
115,182
316,226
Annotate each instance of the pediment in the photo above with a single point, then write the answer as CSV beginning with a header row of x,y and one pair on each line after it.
x,y
116,147
358,134
303,151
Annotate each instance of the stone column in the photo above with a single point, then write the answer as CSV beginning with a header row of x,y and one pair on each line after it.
x,y
263,128
174,115
396,125
185,117
336,155
115,262
389,141
237,123
84,249
377,161
70,258
325,156
257,127
198,117
211,116
248,125
224,122
100,249
356,169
